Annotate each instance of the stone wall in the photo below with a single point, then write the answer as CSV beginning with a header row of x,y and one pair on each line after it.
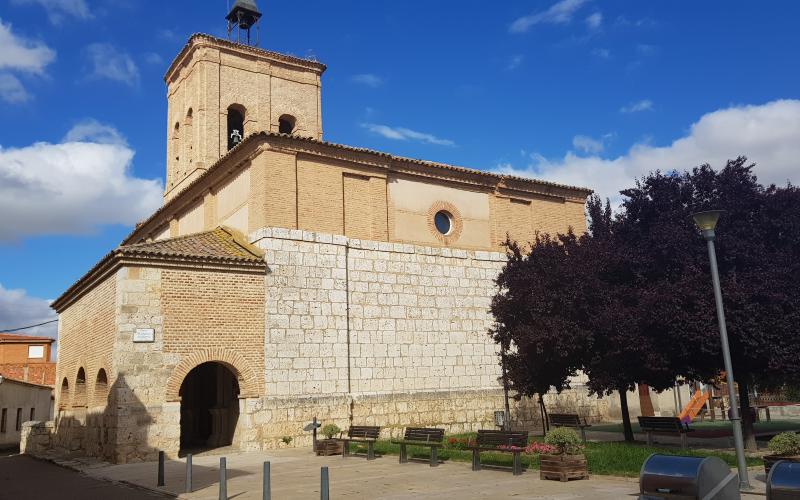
x,y
385,334
349,331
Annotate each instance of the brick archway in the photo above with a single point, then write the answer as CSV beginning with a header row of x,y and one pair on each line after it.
x,y
234,362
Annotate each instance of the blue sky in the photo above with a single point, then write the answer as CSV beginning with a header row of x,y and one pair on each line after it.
x,y
579,91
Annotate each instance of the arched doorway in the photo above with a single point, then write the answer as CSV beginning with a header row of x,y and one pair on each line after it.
x,y
209,407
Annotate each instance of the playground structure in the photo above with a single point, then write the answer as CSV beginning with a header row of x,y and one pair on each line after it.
x,y
707,399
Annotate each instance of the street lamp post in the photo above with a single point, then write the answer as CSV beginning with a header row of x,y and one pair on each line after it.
x,y
706,222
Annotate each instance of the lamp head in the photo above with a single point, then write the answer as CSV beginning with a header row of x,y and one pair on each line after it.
x,y
707,221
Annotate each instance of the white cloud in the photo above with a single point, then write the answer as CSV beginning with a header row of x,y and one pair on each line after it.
x,y
96,132
558,13
637,107
153,58
601,53
767,134
18,309
515,62
11,89
593,21
110,63
586,144
23,55
58,9
368,79
404,134
72,187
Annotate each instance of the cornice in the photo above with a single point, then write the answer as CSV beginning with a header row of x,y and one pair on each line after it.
x,y
198,40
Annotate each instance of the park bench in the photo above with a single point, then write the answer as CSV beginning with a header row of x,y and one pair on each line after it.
x,y
421,436
504,441
569,420
664,425
361,434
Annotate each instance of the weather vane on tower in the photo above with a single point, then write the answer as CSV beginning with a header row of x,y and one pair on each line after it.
x,y
244,15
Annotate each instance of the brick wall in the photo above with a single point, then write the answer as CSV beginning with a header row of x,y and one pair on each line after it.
x,y
86,333
206,311
283,188
36,373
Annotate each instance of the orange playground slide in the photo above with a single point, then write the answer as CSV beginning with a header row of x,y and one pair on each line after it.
x,y
696,404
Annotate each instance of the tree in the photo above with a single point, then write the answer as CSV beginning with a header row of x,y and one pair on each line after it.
x,y
757,244
631,301
563,307
540,342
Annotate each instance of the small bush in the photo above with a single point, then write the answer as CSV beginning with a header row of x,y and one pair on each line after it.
x,y
286,439
331,430
565,440
785,443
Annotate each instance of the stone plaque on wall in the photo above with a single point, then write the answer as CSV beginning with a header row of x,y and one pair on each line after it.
x,y
144,335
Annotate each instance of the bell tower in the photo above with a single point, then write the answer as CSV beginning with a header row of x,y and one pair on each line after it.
x,y
221,91
243,16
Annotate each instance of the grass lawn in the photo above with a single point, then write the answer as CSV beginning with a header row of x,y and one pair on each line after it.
x,y
775,426
616,459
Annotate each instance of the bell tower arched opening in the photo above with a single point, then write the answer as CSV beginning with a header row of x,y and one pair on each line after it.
x,y
209,407
235,125
286,124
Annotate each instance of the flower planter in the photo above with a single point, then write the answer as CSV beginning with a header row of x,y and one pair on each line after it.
x,y
771,460
327,447
563,467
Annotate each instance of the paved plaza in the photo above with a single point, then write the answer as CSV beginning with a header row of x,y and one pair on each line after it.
x,y
296,475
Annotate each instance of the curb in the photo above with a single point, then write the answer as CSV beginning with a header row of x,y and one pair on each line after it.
x,y
127,484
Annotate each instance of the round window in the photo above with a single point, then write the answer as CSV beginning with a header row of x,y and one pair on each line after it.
x,y
443,222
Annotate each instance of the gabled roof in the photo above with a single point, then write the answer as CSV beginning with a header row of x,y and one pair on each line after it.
x,y
222,248
222,244
13,338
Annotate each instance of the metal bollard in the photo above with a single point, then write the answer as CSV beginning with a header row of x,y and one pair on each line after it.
x,y
160,468
267,490
223,480
324,493
188,473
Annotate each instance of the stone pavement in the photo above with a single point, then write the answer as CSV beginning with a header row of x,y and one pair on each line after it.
x,y
296,475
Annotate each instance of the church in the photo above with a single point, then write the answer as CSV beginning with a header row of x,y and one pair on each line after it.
x,y
286,277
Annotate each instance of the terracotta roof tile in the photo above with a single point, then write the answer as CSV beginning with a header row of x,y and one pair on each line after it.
x,y
221,243
222,246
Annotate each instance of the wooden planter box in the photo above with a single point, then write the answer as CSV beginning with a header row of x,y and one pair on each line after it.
x,y
563,467
327,447
771,460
